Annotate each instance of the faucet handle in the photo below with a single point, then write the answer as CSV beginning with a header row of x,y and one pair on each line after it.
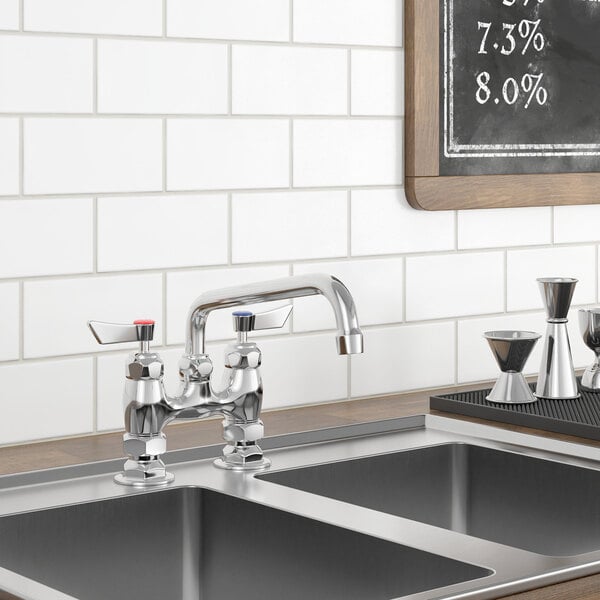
x,y
245,320
141,330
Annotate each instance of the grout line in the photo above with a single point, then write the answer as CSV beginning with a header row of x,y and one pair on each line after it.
x,y
404,295
456,230
164,155
552,218
21,16
505,282
229,229
291,15
349,82
349,224
291,154
95,235
95,77
95,394
164,18
456,352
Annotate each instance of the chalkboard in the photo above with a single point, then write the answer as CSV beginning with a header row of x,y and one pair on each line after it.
x,y
502,103
520,87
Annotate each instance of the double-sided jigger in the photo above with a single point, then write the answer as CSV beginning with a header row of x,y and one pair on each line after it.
x,y
557,380
511,350
589,324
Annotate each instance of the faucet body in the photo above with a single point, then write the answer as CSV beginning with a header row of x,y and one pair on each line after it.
x,y
148,407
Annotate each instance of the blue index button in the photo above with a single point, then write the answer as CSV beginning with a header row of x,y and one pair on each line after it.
x,y
243,313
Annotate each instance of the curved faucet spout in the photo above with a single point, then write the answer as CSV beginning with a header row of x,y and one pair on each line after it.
x,y
349,340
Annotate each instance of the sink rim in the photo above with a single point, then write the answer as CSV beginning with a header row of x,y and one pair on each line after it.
x,y
514,570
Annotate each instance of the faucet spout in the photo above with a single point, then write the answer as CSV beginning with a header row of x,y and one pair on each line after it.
x,y
349,338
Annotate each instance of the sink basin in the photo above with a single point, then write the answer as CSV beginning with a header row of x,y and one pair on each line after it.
x,y
538,505
192,543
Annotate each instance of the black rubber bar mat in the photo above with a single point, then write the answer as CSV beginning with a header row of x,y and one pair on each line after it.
x,y
580,417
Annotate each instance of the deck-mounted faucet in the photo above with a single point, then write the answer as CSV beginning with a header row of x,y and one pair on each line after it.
x,y
148,408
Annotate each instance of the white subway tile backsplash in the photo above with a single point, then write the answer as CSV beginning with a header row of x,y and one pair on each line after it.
x,y
9,321
347,152
576,224
82,155
276,80
9,156
183,287
262,20
167,229
45,74
46,237
314,372
525,266
377,82
9,14
158,77
404,358
227,153
384,223
495,228
56,312
454,285
121,17
289,226
59,394
368,22
376,286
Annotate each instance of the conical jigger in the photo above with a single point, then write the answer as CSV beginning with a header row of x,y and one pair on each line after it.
x,y
511,350
557,379
589,324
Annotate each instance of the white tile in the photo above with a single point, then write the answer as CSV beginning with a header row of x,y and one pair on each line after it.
x,y
303,370
56,312
46,399
185,286
9,321
576,224
384,223
475,359
167,232
263,20
398,359
454,285
9,14
46,237
227,153
275,80
9,156
344,152
289,226
377,82
157,77
121,17
368,22
46,74
525,266
375,285
500,227
83,155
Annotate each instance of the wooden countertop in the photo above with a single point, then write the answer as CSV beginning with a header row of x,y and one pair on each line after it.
x,y
40,455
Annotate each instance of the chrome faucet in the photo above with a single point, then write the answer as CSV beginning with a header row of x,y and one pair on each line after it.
x,y
148,408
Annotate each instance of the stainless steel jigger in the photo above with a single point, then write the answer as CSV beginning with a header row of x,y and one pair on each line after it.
x,y
511,350
589,324
557,380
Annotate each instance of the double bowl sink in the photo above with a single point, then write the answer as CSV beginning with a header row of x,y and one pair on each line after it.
x,y
421,508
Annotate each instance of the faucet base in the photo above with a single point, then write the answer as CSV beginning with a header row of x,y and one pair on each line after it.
x,y
259,465
124,479
145,471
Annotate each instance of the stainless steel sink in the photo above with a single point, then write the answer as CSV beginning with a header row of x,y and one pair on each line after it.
x,y
538,505
422,508
197,544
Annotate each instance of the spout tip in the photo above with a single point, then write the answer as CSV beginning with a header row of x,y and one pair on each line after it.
x,y
350,344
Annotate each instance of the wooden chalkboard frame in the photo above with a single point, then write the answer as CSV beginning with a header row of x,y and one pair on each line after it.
x,y
425,188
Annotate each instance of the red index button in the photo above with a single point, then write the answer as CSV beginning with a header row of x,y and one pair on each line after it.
x,y
143,322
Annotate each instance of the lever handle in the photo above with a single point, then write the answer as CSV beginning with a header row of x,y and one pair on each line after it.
x,y
141,330
245,320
